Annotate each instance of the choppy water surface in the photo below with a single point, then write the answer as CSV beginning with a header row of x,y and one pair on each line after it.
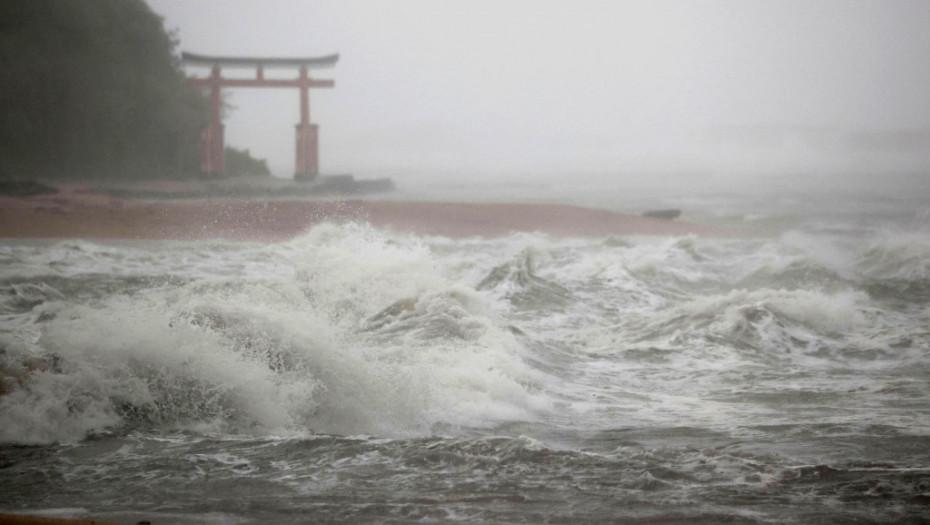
x,y
354,375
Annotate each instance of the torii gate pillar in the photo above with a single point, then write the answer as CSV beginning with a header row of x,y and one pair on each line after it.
x,y
307,162
212,146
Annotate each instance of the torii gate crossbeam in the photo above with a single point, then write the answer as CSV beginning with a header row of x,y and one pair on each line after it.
x,y
212,143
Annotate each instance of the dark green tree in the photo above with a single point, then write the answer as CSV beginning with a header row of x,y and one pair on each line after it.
x,y
240,162
93,89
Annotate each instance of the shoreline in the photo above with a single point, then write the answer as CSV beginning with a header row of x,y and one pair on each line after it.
x,y
96,216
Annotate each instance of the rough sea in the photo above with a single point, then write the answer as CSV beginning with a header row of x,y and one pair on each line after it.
x,y
355,375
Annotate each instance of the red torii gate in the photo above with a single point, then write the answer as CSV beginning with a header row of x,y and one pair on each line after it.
x,y
211,139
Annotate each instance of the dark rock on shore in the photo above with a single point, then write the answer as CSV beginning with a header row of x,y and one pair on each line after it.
x,y
669,214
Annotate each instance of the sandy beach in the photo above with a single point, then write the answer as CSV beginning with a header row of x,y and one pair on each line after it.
x,y
80,214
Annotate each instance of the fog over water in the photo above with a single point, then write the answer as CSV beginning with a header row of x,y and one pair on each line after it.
x,y
764,359
704,93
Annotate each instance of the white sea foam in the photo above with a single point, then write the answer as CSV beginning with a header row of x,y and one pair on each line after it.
x,y
352,330
270,354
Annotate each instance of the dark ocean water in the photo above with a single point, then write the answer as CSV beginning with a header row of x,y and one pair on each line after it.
x,y
355,375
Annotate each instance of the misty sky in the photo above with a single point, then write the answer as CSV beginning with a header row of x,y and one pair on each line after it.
x,y
587,87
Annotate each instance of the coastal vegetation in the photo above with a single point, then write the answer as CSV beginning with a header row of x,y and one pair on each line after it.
x,y
240,162
95,90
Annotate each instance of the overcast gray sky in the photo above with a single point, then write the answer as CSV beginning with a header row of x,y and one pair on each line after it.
x,y
515,87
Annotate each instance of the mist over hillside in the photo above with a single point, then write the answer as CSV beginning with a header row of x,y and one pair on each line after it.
x,y
93,89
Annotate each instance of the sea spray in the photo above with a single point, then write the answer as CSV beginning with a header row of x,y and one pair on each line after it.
x,y
266,353
360,374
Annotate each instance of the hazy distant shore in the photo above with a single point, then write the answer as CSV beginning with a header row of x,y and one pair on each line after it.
x,y
72,214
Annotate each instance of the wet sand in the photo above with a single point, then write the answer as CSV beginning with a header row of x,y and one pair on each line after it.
x,y
95,216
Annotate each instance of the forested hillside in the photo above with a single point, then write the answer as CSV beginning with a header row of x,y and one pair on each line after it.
x,y
93,89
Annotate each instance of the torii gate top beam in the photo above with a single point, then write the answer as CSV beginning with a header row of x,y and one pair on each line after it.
x,y
302,82
260,62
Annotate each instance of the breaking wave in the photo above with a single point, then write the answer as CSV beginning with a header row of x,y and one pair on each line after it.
x,y
321,350
350,330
